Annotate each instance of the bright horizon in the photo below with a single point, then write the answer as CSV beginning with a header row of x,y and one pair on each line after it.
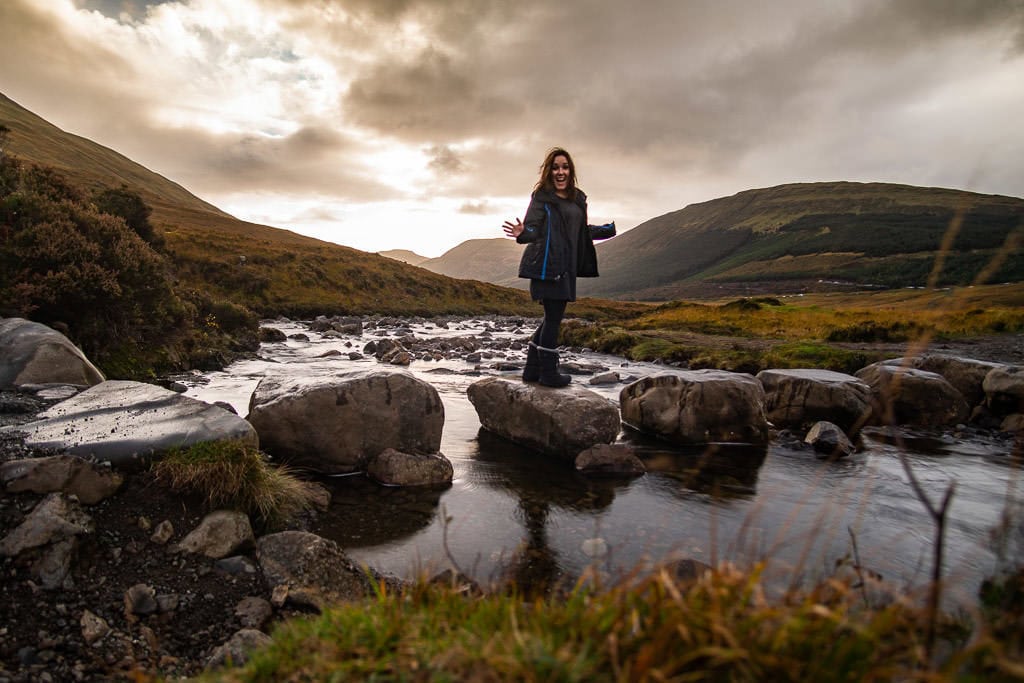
x,y
421,124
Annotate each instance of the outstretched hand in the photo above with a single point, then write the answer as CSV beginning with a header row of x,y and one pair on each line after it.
x,y
513,229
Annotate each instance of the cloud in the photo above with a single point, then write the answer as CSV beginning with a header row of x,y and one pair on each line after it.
x,y
481,208
662,103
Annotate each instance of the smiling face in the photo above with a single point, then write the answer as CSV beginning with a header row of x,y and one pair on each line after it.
x,y
561,171
558,174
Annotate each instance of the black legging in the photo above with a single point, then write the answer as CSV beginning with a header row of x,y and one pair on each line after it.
x,y
547,334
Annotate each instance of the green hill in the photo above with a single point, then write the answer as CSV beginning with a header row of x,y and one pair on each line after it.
x,y
816,236
489,260
268,270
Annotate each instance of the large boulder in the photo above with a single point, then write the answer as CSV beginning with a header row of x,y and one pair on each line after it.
x,y
32,353
308,570
904,395
128,423
336,424
967,375
560,422
697,406
1004,390
799,398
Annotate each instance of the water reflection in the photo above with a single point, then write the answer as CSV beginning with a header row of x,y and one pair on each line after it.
x,y
538,483
718,470
364,513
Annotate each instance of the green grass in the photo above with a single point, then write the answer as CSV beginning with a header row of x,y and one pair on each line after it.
x,y
750,335
235,475
721,627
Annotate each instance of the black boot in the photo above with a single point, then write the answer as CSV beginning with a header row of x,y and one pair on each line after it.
x,y
549,374
531,373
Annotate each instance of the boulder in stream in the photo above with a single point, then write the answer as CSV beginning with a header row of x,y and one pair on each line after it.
x,y
336,424
798,398
697,406
560,422
908,396
129,423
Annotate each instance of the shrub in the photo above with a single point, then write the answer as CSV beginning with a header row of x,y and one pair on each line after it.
x,y
232,474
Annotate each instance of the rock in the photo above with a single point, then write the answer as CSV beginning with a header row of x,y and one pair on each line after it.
x,y
965,374
167,603
594,547
128,423
54,519
798,398
254,612
54,564
93,627
219,534
611,459
697,406
1013,422
829,440
337,424
394,468
688,570
271,335
913,397
314,571
236,651
162,533
237,564
1004,390
610,377
140,600
560,422
66,473
32,353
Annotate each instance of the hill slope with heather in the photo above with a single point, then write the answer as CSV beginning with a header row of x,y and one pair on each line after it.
x,y
268,270
816,236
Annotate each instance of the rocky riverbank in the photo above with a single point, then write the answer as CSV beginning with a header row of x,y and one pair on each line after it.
x,y
134,601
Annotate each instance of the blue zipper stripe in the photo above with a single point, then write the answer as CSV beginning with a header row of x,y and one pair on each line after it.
x,y
547,245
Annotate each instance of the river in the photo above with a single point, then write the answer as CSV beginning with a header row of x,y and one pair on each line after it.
x,y
513,511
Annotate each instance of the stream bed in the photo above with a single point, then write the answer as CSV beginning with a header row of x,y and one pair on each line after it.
x,y
513,512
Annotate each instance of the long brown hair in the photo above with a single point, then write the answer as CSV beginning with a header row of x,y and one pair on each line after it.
x,y
546,182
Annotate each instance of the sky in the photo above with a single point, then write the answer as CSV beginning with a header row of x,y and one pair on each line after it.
x,y
418,124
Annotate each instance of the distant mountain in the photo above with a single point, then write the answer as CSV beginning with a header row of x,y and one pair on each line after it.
x,y
487,260
269,270
799,237
405,256
815,236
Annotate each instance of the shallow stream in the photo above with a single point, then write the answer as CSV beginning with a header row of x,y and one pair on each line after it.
x,y
512,510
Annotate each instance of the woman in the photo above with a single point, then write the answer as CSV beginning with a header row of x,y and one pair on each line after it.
x,y
560,248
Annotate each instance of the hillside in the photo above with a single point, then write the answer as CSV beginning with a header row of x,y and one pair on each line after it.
x,y
488,260
814,236
405,256
269,270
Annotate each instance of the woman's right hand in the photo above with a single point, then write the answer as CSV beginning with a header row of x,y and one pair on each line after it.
x,y
513,229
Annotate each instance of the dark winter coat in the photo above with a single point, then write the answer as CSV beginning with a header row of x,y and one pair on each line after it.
x,y
546,255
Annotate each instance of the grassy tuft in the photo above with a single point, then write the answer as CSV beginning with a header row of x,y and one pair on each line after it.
x,y
721,627
236,475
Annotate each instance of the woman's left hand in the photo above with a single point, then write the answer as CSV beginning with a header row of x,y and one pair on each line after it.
x,y
513,229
